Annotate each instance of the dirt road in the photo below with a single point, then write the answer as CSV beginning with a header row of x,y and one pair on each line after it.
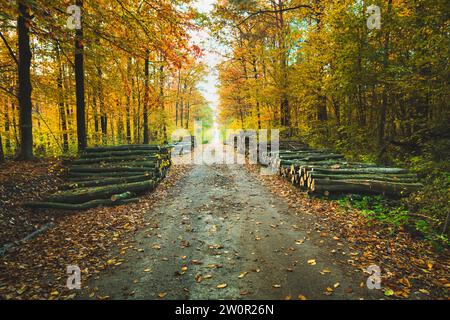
x,y
221,227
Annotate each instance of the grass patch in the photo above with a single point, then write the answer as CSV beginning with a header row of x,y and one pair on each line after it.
x,y
394,215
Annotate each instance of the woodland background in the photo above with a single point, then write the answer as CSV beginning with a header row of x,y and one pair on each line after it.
x,y
316,71
311,68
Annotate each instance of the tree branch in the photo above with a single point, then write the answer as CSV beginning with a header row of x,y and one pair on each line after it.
x,y
251,15
11,52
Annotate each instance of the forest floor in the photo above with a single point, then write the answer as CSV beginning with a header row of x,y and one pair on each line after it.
x,y
220,232
25,180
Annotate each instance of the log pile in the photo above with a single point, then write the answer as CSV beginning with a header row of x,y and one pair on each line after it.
x,y
109,176
182,147
323,172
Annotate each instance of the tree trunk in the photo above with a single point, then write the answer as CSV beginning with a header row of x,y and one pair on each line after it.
x,y
62,111
79,84
128,102
188,107
105,182
161,101
177,98
14,123
79,206
103,116
24,92
384,96
96,115
2,154
146,98
364,186
7,128
104,192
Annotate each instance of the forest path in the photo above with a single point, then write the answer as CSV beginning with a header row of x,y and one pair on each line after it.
x,y
219,225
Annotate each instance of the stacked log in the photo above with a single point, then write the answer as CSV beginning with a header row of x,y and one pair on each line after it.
x,y
183,147
109,176
320,171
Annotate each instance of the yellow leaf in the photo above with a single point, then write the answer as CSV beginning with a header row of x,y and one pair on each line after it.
x,y
337,284
301,297
405,282
162,294
276,286
312,262
222,285
243,274
388,292
147,270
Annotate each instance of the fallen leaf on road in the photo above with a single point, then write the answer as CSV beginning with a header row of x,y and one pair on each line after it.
x,y
424,291
388,292
243,274
301,297
162,294
312,262
337,284
276,286
221,286
405,282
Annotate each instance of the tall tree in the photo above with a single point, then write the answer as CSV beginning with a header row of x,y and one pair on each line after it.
x,y
146,97
79,83
24,89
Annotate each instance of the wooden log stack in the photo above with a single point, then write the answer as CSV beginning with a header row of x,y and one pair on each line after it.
x,y
109,176
182,147
323,172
